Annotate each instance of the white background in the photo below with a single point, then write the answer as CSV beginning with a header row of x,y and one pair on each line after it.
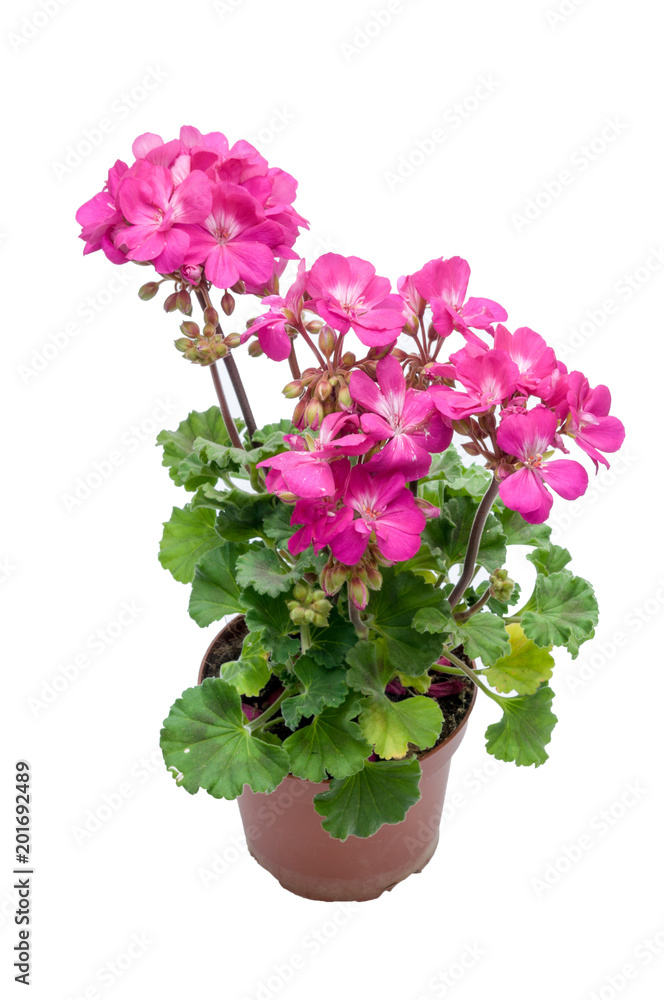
x,y
342,109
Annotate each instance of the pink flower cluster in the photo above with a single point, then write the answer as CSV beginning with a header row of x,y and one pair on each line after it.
x,y
197,206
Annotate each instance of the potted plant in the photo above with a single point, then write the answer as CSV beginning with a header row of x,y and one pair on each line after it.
x,y
363,564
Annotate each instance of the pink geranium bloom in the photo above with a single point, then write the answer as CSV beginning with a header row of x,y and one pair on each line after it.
x,y
387,512
153,207
553,390
444,283
529,351
414,304
271,328
305,471
321,519
100,215
406,418
589,422
234,241
347,292
489,378
527,436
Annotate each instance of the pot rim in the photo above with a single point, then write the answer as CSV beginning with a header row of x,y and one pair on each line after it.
x,y
422,755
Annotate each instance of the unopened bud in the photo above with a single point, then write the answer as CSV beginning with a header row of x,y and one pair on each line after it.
x,y
315,325
322,607
323,390
344,398
211,316
358,592
209,330
148,291
293,390
183,344
320,620
255,349
184,302
376,353
399,354
374,578
300,592
171,302
348,359
190,328
239,287
232,340
227,303
299,412
314,414
327,340
501,586
471,448
297,614
431,332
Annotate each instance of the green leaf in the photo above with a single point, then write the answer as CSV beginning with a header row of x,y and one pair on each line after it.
x,y
447,467
451,534
434,620
517,531
321,689
332,744
421,684
484,636
369,669
263,570
187,536
524,669
524,730
382,792
277,526
565,612
330,643
392,726
393,608
214,592
269,616
251,672
206,740
178,447
548,559
242,515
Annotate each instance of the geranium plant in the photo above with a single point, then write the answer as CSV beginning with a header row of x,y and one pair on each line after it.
x,y
369,562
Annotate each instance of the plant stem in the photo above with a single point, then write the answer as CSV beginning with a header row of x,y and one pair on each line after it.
x,y
473,676
223,406
463,616
305,636
474,543
267,714
356,618
292,361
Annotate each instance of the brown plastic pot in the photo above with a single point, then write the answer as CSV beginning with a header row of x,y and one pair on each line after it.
x,y
285,836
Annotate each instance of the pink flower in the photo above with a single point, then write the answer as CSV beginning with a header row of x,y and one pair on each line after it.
x,y
347,293
489,378
529,351
100,215
589,421
305,472
444,283
271,328
386,510
527,436
152,207
406,418
234,241
321,519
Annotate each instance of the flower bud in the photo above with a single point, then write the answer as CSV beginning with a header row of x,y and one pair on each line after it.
x,y
487,422
374,578
171,302
255,349
191,354
232,340
297,614
358,592
148,291
376,353
191,329
431,332
344,398
183,344
399,354
209,330
323,390
184,302
327,340
471,448
299,413
293,390
239,287
315,325
461,426
501,586
411,326
320,620
227,303
348,359
300,592
211,315
314,414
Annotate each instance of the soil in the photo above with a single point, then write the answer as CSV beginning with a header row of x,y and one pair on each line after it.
x,y
228,646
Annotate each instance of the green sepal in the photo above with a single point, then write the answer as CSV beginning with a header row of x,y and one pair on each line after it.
x,y
332,744
382,792
187,536
321,689
206,741
564,611
214,592
524,730
524,669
